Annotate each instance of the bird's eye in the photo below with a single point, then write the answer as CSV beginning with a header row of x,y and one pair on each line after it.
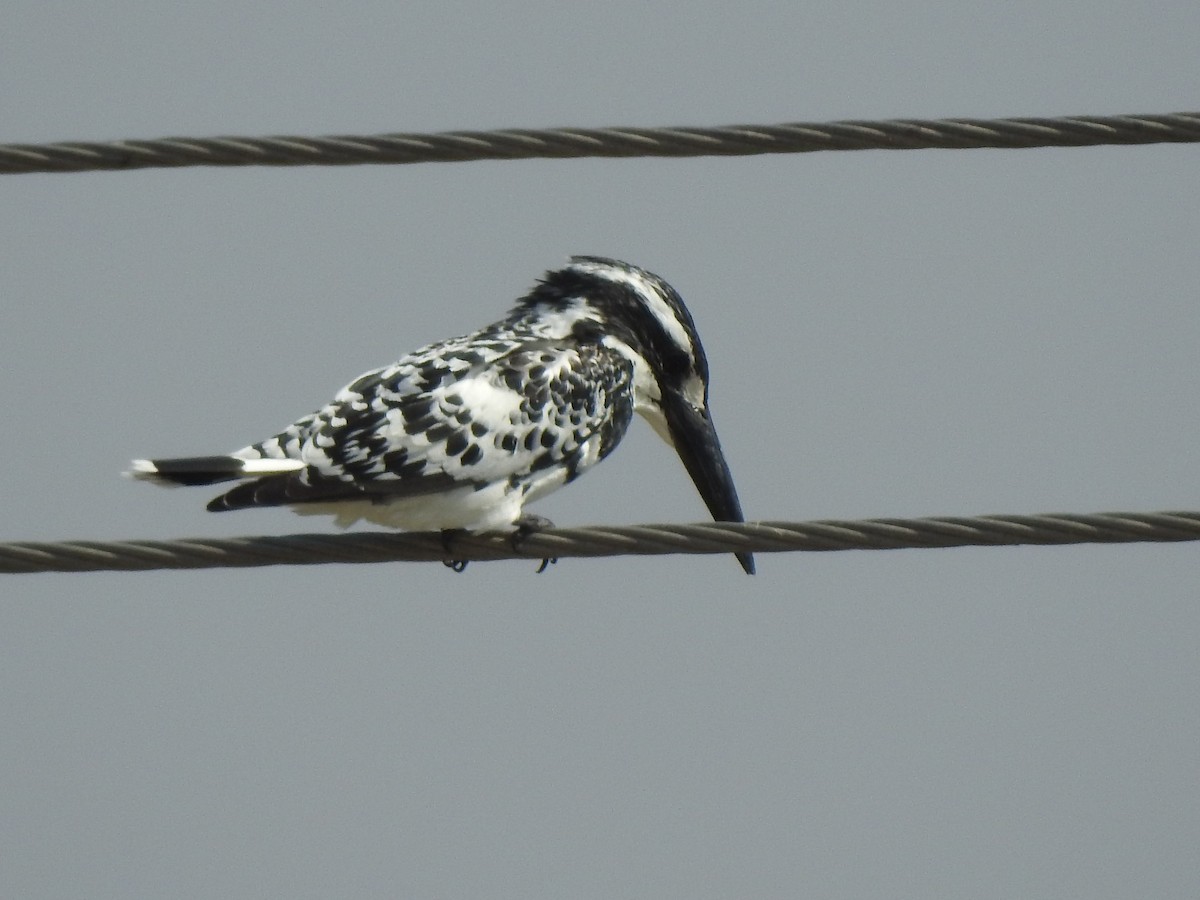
x,y
676,363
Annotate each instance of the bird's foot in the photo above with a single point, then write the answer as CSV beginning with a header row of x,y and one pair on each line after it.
x,y
525,526
529,524
448,535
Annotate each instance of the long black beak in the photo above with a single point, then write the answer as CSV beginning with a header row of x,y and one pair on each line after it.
x,y
697,445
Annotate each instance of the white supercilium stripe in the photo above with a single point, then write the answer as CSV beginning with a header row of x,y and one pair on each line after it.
x,y
654,298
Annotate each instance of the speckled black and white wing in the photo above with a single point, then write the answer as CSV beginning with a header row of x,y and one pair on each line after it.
x,y
460,434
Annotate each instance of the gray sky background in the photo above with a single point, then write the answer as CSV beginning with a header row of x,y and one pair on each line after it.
x,y
915,333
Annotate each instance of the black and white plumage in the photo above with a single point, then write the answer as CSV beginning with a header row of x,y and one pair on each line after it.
x,y
463,433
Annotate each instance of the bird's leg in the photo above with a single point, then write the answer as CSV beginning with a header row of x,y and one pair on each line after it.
x,y
527,525
448,535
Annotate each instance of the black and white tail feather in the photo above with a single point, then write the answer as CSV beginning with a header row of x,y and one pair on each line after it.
x,y
463,433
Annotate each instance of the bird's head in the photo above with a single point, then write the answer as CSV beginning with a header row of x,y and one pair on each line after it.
x,y
637,314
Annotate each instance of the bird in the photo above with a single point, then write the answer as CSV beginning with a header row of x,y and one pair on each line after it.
x,y
461,434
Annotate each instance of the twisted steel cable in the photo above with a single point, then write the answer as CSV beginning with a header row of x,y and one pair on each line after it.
x,y
638,540
560,143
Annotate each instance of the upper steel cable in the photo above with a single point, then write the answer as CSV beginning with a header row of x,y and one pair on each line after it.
x,y
559,143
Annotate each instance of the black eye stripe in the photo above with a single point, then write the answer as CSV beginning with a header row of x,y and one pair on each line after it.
x,y
645,312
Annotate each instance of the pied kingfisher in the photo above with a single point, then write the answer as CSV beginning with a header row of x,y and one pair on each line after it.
x,y
463,433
